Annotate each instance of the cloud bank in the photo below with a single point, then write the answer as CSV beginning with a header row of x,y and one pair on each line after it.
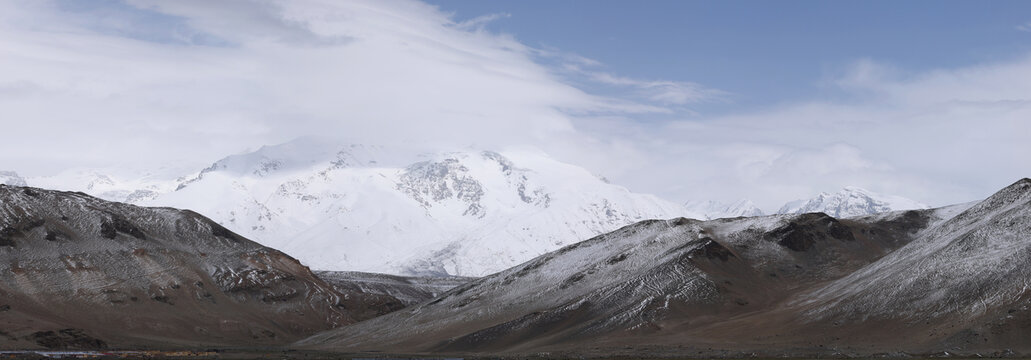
x,y
217,77
940,136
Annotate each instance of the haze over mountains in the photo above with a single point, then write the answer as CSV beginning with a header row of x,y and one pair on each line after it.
x,y
375,209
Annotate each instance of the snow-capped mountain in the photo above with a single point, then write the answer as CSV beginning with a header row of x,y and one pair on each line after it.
x,y
851,201
368,208
11,178
716,209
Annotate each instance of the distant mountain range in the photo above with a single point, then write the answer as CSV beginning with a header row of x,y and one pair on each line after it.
x,y
851,201
369,208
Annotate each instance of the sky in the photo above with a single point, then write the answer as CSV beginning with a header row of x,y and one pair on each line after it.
x,y
769,101
763,52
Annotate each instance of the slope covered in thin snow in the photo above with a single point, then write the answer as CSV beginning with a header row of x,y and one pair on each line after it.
x,y
967,265
954,279
366,208
850,201
645,284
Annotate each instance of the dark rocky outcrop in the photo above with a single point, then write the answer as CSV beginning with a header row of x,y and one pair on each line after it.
x,y
804,231
117,224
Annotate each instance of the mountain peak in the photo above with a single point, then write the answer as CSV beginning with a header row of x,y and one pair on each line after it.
x,y
465,212
850,201
1021,185
1008,196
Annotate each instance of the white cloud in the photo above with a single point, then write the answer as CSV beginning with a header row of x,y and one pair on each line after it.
x,y
379,71
477,23
164,81
940,136
1024,27
663,91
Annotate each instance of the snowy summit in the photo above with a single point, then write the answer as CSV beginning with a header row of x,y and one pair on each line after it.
x,y
370,208
851,201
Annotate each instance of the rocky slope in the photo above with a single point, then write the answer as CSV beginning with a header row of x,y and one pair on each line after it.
x,y
922,281
366,208
80,272
851,201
